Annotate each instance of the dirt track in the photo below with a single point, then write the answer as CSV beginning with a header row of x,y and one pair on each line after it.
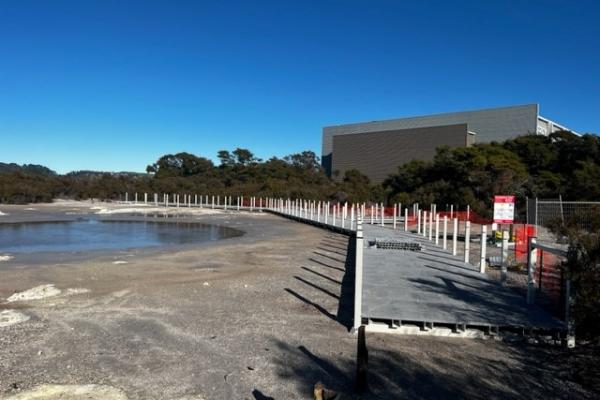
x,y
261,316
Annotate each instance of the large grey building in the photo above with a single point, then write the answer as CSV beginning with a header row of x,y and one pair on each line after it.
x,y
377,148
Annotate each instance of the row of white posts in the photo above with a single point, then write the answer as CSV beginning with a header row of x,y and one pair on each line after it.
x,y
344,215
202,201
429,222
340,215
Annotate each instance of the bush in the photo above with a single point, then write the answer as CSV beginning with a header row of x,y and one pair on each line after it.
x,y
583,268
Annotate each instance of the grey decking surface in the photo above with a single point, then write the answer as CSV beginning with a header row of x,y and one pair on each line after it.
x,y
434,286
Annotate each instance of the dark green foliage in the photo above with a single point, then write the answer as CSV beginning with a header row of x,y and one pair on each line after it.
x,y
528,166
25,168
180,164
17,187
583,268
461,176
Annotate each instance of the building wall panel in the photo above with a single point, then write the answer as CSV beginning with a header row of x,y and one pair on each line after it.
x,y
378,154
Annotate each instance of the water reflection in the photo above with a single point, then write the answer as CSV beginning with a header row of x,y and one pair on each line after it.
x,y
92,234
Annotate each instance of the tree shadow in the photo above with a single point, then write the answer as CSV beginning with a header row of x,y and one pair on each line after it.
x,y
408,367
258,395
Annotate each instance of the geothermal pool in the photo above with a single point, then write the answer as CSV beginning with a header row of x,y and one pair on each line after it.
x,y
94,234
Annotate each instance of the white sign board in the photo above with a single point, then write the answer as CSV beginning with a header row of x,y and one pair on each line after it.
x,y
504,209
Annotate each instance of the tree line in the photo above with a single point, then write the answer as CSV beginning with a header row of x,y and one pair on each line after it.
x,y
527,166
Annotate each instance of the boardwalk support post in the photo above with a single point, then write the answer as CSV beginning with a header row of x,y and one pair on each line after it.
x,y
504,262
437,229
531,261
431,212
445,233
362,362
454,236
358,275
467,240
483,248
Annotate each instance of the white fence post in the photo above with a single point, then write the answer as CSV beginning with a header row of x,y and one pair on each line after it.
x,y
431,211
504,263
358,276
333,218
437,229
467,240
319,211
455,236
483,248
445,232
531,263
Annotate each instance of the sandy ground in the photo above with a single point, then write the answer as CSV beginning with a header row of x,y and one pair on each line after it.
x,y
261,316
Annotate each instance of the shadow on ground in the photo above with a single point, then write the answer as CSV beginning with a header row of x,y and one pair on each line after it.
x,y
404,367
328,262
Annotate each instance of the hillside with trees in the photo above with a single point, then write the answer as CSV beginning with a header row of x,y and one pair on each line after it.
x,y
527,166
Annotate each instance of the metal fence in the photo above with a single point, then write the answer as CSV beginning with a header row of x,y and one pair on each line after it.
x,y
549,212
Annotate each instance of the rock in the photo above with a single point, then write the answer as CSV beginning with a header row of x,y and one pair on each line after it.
x,y
36,293
71,392
6,257
74,291
11,317
322,393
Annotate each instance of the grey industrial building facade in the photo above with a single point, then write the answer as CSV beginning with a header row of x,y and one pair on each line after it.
x,y
377,148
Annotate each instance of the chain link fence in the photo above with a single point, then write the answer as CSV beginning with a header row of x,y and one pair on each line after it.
x,y
553,212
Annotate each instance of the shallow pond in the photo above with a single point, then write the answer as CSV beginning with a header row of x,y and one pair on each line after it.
x,y
93,234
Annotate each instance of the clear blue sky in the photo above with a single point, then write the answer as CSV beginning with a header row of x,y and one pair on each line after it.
x,y
113,85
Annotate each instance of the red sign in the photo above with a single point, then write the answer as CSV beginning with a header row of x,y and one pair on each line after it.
x,y
504,209
504,199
